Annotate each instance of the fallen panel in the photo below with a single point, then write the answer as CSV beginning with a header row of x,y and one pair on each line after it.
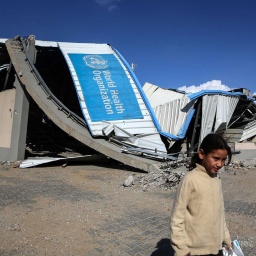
x,y
31,162
63,117
172,109
107,90
150,154
249,131
155,93
209,108
226,106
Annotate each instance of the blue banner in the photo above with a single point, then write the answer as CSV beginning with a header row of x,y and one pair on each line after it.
x,y
106,88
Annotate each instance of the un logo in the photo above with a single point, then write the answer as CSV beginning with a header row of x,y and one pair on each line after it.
x,y
95,61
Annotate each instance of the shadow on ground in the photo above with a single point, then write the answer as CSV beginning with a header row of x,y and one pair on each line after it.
x,y
163,248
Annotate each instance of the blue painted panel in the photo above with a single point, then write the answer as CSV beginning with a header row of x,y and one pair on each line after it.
x,y
142,93
193,96
183,130
106,89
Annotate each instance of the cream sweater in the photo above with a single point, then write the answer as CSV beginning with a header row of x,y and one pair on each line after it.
x,y
198,221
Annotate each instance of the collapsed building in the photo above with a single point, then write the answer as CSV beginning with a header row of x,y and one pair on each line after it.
x,y
189,117
71,100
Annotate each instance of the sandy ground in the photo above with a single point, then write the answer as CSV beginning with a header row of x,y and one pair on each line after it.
x,y
85,210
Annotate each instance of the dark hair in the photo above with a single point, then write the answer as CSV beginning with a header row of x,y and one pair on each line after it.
x,y
211,142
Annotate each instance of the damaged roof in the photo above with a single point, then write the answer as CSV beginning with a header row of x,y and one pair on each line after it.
x,y
85,98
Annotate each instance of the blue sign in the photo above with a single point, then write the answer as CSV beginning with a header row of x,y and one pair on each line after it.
x,y
106,88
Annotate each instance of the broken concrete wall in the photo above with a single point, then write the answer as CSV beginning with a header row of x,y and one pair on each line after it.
x,y
7,99
14,117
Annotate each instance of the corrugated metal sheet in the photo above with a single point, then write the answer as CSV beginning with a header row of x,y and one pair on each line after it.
x,y
218,108
110,96
170,115
209,107
6,66
170,109
142,125
226,106
158,96
249,131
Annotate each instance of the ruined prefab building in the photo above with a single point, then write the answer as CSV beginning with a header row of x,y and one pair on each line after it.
x,y
64,100
73,98
189,117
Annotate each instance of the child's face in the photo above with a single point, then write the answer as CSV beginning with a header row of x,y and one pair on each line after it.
x,y
213,161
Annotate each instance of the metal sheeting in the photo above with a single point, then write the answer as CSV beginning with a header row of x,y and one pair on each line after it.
x,y
5,66
110,95
218,109
59,114
157,95
196,95
249,131
208,114
170,110
148,141
145,141
226,106
46,43
170,115
31,162
142,125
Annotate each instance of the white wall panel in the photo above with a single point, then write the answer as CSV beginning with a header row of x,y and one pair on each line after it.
x,y
226,106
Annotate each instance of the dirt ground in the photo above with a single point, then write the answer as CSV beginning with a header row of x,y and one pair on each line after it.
x,y
86,210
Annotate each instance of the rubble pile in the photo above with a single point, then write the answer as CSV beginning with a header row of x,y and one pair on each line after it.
x,y
8,164
242,164
169,178
236,165
165,179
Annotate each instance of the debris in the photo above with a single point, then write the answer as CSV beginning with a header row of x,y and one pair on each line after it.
x,y
16,164
129,181
31,162
167,179
240,165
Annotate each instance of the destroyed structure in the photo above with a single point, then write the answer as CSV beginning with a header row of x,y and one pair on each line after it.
x,y
69,100
188,118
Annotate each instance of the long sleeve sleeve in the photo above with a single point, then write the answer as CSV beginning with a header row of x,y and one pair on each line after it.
x,y
227,240
177,223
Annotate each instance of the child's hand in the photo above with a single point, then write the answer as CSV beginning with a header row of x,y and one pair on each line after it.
x,y
228,247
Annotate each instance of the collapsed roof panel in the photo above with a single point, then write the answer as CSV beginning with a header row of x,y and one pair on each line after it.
x,y
199,94
216,112
91,95
171,109
201,113
106,88
135,128
226,107
155,93
208,114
